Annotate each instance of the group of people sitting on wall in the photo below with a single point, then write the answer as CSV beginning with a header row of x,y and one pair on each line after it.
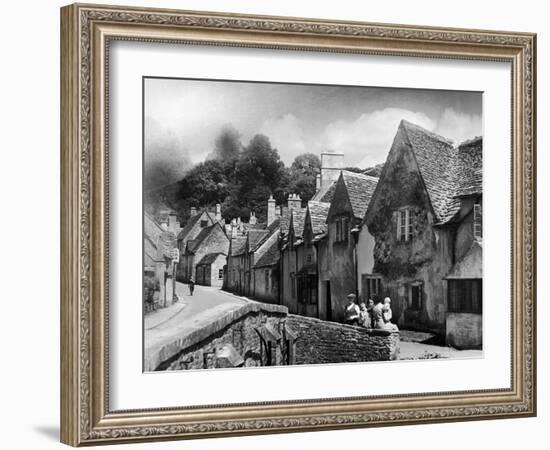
x,y
369,315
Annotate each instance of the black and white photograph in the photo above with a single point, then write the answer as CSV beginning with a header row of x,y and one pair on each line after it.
x,y
290,224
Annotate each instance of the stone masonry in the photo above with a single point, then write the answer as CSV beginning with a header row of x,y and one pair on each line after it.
x,y
260,334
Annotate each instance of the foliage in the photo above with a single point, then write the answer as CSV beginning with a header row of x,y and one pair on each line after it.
x,y
240,178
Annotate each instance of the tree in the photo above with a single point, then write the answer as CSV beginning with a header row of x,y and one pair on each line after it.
x,y
303,174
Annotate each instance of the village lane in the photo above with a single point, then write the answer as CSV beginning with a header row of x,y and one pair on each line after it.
x,y
187,315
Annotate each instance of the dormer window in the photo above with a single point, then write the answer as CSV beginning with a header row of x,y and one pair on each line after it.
x,y
478,228
204,223
404,225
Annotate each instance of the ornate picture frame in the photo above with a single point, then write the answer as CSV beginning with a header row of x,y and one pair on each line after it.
x,y
86,33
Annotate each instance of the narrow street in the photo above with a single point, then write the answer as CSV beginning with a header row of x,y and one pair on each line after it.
x,y
187,315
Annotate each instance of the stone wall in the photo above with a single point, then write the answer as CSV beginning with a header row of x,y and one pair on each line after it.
x,y
260,334
320,342
253,335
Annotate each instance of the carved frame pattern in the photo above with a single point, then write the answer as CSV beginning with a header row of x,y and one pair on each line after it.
x,y
85,416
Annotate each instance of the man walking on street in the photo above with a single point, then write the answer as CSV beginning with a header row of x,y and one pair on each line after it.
x,y
191,286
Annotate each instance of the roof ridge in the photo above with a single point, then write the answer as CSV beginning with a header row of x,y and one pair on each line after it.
x,y
407,125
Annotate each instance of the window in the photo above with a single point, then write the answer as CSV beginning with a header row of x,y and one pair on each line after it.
x,y
415,296
478,228
307,290
370,286
404,225
341,229
204,223
465,296
308,258
220,274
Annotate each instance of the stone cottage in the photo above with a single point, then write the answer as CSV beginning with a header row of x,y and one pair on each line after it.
x,y
352,195
211,239
292,224
307,277
198,220
210,269
425,216
266,270
235,265
158,245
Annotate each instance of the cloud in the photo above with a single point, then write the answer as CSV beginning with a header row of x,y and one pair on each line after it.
x,y
286,135
459,126
165,158
366,140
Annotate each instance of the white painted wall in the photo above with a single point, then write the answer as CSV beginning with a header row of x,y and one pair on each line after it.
x,y
29,178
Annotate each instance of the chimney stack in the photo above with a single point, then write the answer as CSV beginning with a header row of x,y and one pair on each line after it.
x,y
193,211
252,220
318,182
218,212
294,202
271,215
173,223
332,164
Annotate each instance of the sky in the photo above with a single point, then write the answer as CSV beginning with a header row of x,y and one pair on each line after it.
x,y
358,121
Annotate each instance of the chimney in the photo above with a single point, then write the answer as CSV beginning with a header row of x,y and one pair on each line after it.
x,y
318,182
252,220
294,202
271,215
218,212
332,164
173,223
193,211
164,224
233,228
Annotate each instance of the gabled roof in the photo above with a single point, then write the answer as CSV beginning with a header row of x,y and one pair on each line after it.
x,y
447,171
298,218
255,237
160,240
193,244
270,257
470,168
209,258
183,234
318,212
360,189
237,246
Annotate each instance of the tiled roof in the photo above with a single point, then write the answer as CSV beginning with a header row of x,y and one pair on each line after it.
x,y
237,245
270,257
326,196
360,189
318,212
470,167
298,220
189,226
284,219
447,170
163,241
193,244
209,258
255,237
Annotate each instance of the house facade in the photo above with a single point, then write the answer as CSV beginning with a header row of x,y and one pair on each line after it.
x,y
158,245
292,220
307,273
425,217
351,198
211,239
210,269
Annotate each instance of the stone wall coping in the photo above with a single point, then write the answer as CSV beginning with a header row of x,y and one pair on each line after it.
x,y
371,331
179,343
